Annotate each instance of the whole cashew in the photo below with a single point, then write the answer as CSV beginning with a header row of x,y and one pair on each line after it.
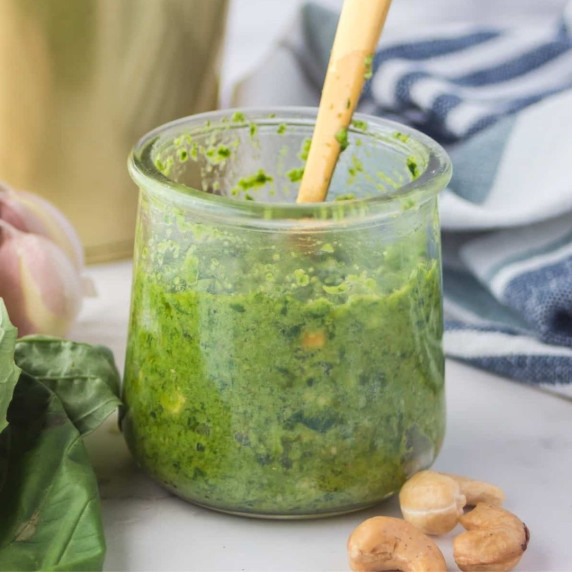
x,y
479,491
495,540
434,501
385,543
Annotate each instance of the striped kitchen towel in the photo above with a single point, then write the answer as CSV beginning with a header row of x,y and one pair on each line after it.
x,y
500,100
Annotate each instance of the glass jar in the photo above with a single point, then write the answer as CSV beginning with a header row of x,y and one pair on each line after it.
x,y
285,360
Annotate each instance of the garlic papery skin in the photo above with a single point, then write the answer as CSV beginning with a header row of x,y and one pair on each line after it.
x,y
32,214
41,287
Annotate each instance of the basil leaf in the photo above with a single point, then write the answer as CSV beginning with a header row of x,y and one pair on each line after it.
x,y
84,377
49,507
9,372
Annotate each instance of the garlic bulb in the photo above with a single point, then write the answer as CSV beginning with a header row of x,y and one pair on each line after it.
x,y
30,213
40,265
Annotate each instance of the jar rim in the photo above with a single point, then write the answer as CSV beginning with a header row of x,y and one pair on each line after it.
x,y
432,179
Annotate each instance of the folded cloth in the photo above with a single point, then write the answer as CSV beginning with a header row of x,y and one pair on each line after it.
x,y
500,100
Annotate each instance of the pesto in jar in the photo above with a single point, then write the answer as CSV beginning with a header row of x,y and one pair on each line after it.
x,y
283,375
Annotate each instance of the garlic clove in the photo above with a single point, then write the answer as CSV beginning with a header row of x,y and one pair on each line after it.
x,y
41,288
30,213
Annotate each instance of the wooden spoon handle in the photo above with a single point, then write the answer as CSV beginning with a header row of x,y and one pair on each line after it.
x,y
358,32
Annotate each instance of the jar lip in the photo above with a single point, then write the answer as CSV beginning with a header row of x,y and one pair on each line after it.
x,y
430,181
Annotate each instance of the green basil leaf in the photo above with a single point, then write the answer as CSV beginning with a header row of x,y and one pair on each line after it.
x,y
84,377
9,372
49,507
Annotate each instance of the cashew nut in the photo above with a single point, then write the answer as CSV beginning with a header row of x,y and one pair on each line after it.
x,y
434,501
385,543
479,491
495,540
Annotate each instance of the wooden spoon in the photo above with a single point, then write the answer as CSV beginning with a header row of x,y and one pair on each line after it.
x,y
358,32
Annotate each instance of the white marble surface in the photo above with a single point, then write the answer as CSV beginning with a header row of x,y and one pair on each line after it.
x,y
514,436
517,437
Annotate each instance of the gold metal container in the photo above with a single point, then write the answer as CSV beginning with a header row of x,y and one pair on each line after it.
x,y
81,81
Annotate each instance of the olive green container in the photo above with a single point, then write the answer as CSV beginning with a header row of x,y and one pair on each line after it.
x,y
80,81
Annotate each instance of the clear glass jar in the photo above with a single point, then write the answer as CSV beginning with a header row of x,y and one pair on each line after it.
x,y
285,360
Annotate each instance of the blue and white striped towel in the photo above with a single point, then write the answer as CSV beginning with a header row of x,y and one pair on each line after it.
x,y
500,100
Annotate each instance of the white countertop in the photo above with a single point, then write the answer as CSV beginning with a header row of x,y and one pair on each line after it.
x,y
514,436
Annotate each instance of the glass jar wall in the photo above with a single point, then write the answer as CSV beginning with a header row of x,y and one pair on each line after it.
x,y
284,360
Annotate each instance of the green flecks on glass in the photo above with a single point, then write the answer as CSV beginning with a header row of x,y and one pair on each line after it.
x,y
217,154
248,197
342,138
388,180
253,129
357,166
281,129
183,155
368,63
164,166
254,181
346,197
238,117
400,136
412,166
305,150
348,103
271,115
223,151
168,166
295,175
359,124
194,152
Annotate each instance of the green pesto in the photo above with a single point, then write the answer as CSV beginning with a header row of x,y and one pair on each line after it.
x,y
301,377
257,180
165,166
305,150
217,154
238,117
295,175
413,168
347,197
357,166
342,138
368,67
359,124
400,136
223,151
281,129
